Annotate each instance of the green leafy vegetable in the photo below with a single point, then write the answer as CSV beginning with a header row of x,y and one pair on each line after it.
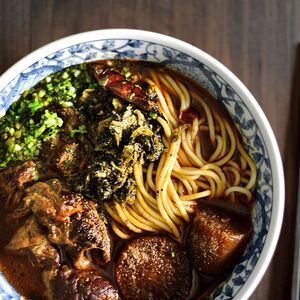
x,y
122,135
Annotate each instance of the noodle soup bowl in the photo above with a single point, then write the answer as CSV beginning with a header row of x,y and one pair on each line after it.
x,y
220,82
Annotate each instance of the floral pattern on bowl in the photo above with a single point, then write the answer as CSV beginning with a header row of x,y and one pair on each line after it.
x,y
144,50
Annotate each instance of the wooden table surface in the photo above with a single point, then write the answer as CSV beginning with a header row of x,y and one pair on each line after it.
x,y
256,39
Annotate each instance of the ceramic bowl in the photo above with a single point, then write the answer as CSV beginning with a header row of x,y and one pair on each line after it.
x,y
211,74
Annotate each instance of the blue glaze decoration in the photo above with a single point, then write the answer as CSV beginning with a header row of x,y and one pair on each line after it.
x,y
217,86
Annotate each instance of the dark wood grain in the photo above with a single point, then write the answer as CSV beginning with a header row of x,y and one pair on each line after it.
x,y
256,39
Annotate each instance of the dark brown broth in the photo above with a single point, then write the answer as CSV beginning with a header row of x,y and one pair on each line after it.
x,y
17,269
27,280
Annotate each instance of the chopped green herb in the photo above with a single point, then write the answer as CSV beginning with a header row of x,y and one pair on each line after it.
x,y
80,130
153,115
33,119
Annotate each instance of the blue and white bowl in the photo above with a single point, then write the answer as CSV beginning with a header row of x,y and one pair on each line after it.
x,y
227,88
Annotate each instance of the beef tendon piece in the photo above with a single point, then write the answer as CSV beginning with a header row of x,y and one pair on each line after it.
x,y
217,238
70,221
153,267
29,240
69,284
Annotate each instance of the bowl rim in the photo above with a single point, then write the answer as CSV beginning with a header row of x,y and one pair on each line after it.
x,y
275,159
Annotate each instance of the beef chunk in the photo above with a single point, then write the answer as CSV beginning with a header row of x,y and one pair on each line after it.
x,y
153,267
217,238
52,206
14,177
63,154
30,240
68,284
87,232
69,221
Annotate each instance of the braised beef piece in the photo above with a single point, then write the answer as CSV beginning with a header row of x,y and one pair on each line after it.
x,y
70,284
153,267
16,175
31,241
52,206
63,154
88,233
63,227
218,236
14,178
69,221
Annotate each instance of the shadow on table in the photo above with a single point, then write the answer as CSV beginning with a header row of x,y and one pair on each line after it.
x,y
281,273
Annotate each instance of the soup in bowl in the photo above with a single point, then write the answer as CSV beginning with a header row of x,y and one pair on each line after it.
x,y
133,166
